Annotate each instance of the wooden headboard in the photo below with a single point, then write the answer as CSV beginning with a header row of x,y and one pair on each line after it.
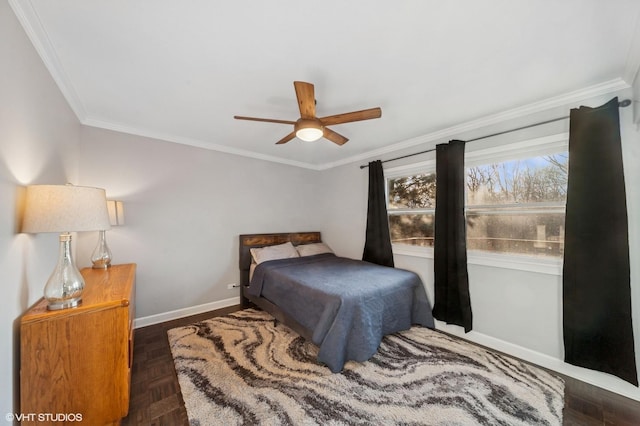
x,y
249,241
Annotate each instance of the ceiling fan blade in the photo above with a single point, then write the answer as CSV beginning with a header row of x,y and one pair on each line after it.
x,y
286,138
306,99
348,117
334,137
267,120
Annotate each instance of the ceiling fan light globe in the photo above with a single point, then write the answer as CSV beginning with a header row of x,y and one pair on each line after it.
x,y
309,134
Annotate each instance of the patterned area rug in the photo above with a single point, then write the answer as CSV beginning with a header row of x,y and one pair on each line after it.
x,y
240,369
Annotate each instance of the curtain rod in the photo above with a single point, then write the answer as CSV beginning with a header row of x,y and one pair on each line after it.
x,y
622,104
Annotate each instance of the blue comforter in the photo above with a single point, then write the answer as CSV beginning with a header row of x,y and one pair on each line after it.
x,y
349,305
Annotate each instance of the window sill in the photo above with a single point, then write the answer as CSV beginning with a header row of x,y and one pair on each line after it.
x,y
541,265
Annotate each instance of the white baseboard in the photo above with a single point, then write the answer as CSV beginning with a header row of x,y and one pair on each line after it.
x,y
185,312
596,378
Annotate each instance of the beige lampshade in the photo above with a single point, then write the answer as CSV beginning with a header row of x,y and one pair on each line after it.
x,y
116,212
65,208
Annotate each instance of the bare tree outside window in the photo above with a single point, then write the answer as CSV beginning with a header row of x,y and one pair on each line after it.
x,y
512,207
538,179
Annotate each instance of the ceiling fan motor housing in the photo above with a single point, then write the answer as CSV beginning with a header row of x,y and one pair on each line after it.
x,y
306,123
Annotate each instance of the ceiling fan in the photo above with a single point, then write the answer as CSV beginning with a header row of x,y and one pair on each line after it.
x,y
309,127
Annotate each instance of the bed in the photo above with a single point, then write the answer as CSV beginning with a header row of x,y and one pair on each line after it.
x,y
344,306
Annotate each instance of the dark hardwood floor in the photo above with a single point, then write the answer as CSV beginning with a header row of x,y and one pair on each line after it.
x,y
156,397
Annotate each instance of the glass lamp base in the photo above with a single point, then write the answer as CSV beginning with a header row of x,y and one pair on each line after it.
x,y
101,257
64,304
65,285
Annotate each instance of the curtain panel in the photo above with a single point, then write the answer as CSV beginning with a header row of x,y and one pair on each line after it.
x,y
596,290
377,246
452,299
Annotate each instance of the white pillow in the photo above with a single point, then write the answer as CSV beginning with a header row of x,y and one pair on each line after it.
x,y
280,251
311,249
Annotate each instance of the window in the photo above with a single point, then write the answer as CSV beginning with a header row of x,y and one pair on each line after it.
x,y
515,199
517,206
411,207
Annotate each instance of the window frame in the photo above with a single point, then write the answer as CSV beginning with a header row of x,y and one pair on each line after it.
x,y
523,149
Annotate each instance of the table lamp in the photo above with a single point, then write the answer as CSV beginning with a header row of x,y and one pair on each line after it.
x,y
101,257
64,209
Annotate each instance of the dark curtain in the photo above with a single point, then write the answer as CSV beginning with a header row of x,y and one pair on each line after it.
x,y
598,331
377,246
452,301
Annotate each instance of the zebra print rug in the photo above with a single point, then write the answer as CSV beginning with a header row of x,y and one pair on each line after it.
x,y
241,369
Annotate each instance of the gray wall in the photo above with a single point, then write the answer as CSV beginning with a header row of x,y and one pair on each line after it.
x,y
184,209
39,143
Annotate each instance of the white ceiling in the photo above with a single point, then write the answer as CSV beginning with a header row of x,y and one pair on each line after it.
x,y
180,70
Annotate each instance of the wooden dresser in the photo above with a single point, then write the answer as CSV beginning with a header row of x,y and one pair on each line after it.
x,y
78,361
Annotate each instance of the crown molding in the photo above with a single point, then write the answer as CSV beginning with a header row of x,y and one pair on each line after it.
x,y
32,25
447,133
519,112
137,131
